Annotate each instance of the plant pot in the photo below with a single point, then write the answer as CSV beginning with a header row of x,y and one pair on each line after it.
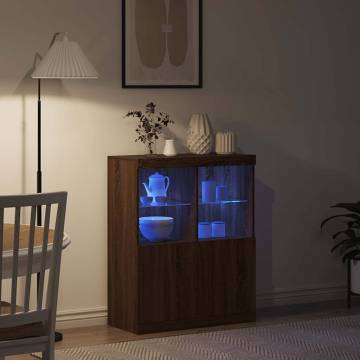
x,y
355,276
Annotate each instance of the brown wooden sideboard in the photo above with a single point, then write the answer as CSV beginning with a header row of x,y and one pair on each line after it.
x,y
181,250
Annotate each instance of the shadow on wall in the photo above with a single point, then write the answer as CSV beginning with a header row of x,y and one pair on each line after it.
x,y
28,86
307,169
264,199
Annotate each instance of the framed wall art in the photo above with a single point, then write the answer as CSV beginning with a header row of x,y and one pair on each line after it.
x,y
162,43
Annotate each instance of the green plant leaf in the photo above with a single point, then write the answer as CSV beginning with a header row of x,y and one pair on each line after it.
x,y
349,232
348,245
354,207
339,244
354,224
348,215
351,255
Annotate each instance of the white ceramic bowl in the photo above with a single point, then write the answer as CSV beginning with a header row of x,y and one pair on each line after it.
x,y
156,228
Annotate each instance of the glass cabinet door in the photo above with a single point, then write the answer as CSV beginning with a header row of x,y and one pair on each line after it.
x,y
167,210
225,204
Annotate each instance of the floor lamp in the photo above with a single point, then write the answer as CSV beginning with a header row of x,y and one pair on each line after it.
x,y
64,60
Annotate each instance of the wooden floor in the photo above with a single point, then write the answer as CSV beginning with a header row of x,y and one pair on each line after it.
x,y
105,334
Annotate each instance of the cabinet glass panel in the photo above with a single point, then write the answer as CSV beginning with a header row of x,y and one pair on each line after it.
x,y
225,209
167,210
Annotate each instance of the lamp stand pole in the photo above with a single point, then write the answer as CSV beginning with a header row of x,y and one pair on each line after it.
x,y
39,174
58,336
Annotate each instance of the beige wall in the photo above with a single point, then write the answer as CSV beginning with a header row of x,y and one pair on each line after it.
x,y
282,74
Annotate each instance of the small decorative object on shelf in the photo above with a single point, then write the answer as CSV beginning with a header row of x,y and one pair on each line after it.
x,y
199,137
208,191
156,228
158,186
225,142
150,126
218,229
220,193
169,148
204,230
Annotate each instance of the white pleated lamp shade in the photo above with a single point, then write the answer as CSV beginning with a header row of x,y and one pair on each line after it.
x,y
65,60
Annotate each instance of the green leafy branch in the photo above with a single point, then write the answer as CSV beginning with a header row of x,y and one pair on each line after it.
x,y
348,239
150,124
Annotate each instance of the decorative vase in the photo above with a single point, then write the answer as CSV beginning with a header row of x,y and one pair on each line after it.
x,y
150,147
208,191
220,193
218,229
169,148
225,142
204,230
355,276
199,137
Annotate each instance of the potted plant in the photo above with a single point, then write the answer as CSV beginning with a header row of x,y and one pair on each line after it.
x,y
348,239
150,124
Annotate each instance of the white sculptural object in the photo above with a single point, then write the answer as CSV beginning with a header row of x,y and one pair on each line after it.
x,y
199,136
225,142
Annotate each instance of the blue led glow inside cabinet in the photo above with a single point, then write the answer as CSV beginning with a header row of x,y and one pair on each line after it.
x,y
195,203
166,204
225,202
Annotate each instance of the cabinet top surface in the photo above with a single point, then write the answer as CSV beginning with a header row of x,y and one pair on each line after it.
x,y
189,158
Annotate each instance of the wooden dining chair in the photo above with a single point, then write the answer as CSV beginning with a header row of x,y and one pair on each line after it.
x,y
30,326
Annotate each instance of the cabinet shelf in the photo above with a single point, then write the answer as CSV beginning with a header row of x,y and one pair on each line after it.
x,y
163,242
164,204
179,203
177,242
227,238
223,202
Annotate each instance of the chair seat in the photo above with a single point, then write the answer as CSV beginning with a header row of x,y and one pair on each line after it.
x,y
20,331
5,308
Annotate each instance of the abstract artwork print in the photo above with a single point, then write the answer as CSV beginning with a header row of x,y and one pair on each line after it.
x,y
162,43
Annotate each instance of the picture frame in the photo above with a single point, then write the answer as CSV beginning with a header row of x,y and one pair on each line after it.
x,y
162,44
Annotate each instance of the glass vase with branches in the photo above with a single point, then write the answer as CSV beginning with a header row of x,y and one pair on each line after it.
x,y
150,124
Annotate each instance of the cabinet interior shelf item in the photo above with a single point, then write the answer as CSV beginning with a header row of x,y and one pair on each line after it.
x,y
178,259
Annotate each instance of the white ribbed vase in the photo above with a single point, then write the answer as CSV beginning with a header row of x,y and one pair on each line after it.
x,y
199,137
225,142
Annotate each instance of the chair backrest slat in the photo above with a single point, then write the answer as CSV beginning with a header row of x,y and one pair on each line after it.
x,y
15,259
43,257
30,259
56,259
26,249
